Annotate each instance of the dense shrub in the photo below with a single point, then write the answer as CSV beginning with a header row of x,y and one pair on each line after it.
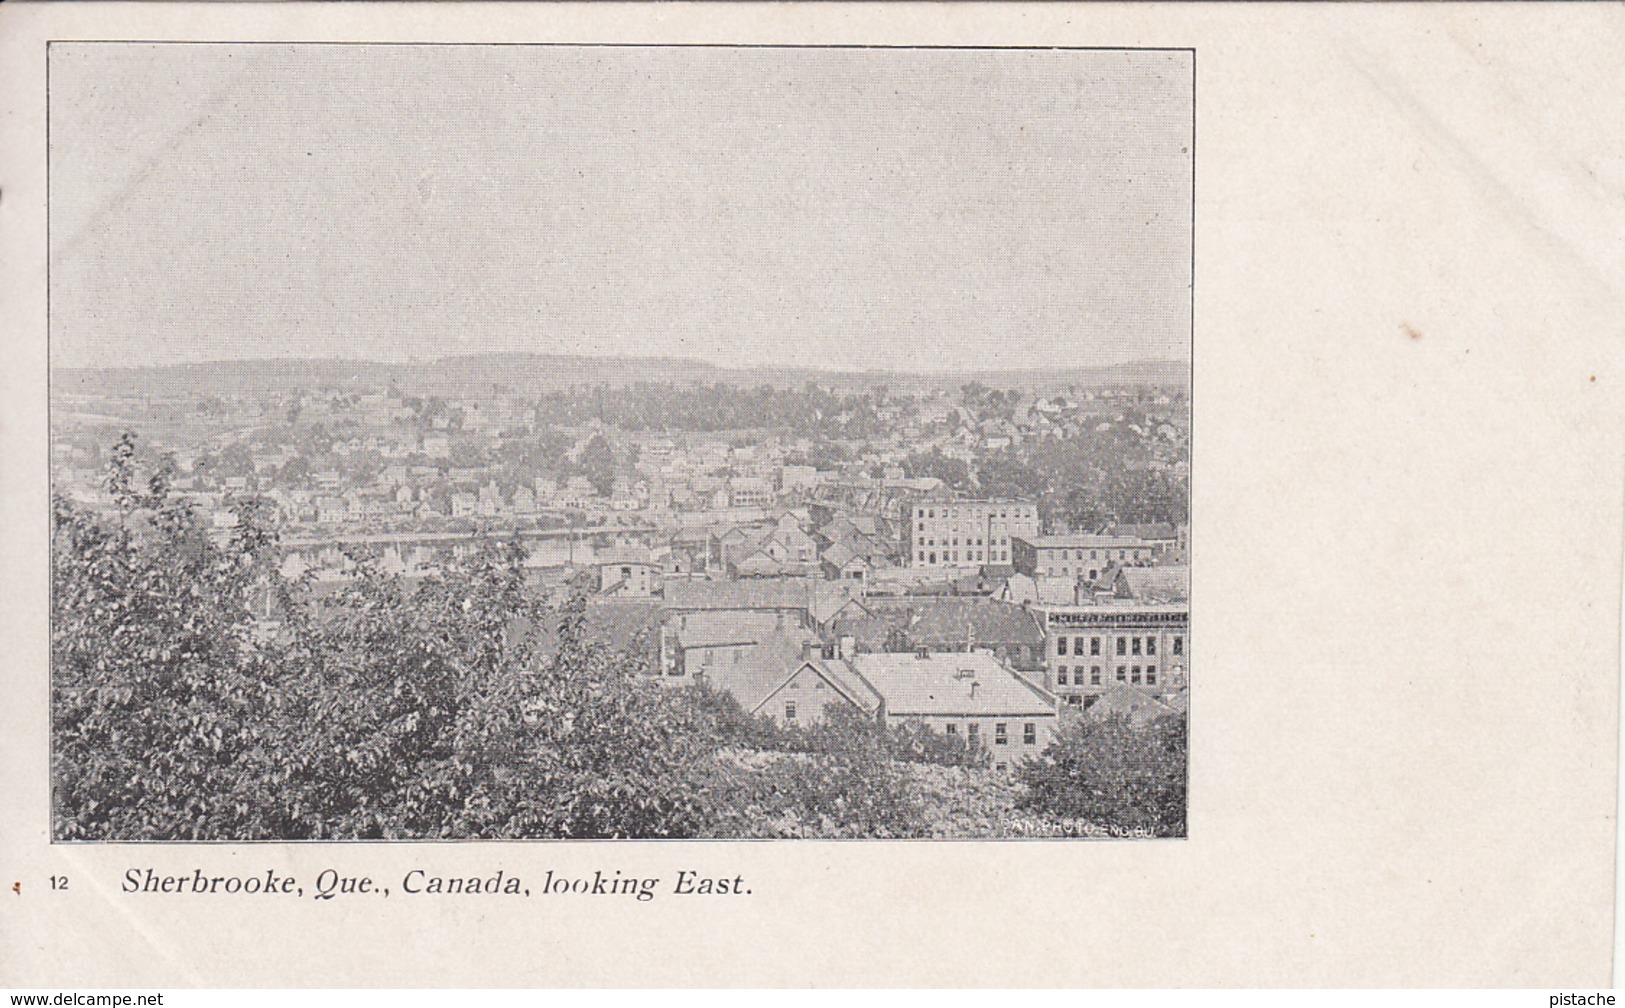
x,y
1113,773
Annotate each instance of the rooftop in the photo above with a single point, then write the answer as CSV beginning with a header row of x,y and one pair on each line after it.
x,y
1082,541
947,618
973,684
715,628
821,598
1154,584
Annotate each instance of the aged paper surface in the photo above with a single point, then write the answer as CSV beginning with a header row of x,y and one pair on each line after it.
x,y
1404,546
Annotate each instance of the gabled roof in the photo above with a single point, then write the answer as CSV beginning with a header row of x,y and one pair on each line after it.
x,y
839,555
1124,700
753,673
971,685
1154,584
928,619
839,676
758,562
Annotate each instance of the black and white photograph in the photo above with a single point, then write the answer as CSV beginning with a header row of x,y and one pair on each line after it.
x,y
527,442
667,496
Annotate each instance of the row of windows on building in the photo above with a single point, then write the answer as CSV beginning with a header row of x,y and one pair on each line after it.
x,y
1001,732
1135,674
1094,572
973,730
971,556
1125,645
1060,555
976,512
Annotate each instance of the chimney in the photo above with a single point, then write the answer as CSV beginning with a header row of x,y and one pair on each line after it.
x,y
973,689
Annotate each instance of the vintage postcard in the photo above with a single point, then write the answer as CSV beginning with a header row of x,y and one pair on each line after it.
x,y
1144,480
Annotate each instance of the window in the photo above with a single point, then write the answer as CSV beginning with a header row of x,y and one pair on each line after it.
x,y
1060,645
1029,734
1122,673
1074,701
1094,675
1122,645
789,710
1179,645
1094,645
1060,676
974,731
953,729
1136,648
1001,766
1150,645
1150,675
1001,734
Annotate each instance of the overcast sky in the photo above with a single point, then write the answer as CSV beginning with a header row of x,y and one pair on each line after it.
x,y
914,209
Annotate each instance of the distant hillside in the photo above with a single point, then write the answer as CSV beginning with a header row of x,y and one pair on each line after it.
x,y
480,374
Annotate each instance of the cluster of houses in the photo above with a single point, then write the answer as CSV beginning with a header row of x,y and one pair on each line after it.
x,y
998,654
817,607
792,587
391,463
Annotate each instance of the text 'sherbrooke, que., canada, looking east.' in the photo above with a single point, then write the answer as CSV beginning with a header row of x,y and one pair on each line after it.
x,y
524,442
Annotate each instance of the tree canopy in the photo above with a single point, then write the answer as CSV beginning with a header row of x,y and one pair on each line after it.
x,y
197,694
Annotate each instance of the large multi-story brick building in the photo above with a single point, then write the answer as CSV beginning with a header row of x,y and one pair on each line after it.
x,y
1091,648
968,533
1085,556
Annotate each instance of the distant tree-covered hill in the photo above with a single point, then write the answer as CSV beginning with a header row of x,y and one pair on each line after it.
x,y
483,374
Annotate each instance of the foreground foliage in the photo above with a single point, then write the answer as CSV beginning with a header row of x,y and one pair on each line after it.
x,y
1123,776
198,695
